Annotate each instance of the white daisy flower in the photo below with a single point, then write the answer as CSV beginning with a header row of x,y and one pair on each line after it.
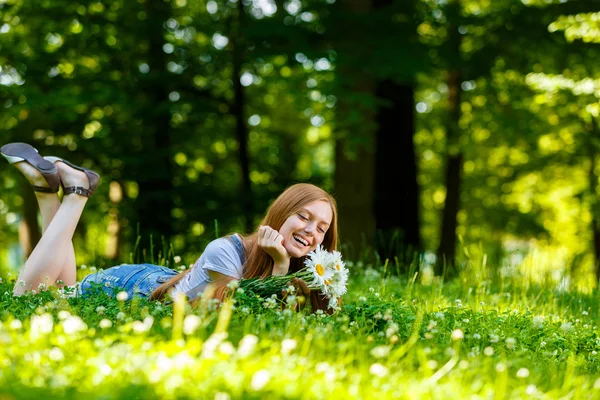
x,y
317,262
337,286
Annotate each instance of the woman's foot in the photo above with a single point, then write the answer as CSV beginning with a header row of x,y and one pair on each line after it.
x,y
75,179
71,177
40,173
32,174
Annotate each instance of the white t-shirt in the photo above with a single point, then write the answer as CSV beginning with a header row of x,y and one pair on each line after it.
x,y
221,255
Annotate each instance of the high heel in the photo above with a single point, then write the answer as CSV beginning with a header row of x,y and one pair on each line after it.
x,y
17,152
93,179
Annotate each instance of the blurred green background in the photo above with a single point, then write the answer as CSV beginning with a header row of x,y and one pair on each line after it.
x,y
449,131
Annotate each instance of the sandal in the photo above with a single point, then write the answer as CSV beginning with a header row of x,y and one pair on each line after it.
x,y
17,152
93,179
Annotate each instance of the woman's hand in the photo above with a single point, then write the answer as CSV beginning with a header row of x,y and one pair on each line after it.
x,y
302,293
272,243
319,301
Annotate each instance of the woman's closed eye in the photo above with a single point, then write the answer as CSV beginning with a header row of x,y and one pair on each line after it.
x,y
306,218
303,217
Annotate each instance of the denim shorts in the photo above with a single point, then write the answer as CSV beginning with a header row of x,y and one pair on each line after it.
x,y
135,279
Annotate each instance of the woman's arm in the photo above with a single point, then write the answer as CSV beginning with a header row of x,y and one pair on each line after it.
x,y
220,281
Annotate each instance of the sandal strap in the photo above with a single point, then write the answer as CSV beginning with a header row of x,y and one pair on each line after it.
x,y
78,190
43,189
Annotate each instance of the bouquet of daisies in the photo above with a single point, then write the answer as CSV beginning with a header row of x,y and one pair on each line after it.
x,y
323,270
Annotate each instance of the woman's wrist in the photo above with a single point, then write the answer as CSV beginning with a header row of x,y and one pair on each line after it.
x,y
281,268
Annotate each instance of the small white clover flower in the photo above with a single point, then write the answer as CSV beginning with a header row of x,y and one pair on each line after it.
x,y
566,327
510,342
234,284
105,323
538,322
15,324
542,344
458,334
380,351
191,323
494,338
122,296
378,370
247,344
488,351
63,314
287,345
177,259
73,325
522,373
582,313
260,379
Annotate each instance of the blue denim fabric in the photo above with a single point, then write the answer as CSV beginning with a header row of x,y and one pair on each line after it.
x,y
136,279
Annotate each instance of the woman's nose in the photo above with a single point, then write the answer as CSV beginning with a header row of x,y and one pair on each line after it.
x,y
309,229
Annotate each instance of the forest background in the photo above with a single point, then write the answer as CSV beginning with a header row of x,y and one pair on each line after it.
x,y
447,130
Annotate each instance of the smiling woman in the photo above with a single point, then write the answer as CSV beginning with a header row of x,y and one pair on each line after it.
x,y
303,217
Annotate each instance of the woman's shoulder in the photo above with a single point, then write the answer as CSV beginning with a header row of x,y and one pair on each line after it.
x,y
227,244
224,241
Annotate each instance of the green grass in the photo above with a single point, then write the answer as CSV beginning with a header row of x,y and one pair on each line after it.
x,y
478,336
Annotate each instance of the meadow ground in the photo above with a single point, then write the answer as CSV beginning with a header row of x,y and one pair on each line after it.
x,y
394,338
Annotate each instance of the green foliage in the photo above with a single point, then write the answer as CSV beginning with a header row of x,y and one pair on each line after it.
x,y
143,94
391,339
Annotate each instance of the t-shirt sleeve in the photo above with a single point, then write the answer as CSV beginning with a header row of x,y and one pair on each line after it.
x,y
221,256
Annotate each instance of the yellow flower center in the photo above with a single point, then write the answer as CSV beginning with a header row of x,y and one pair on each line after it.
x,y
327,282
337,266
320,269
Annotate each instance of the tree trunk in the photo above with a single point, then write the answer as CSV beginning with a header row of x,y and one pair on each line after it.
x,y
454,159
593,186
355,145
155,199
29,228
112,250
239,103
354,186
396,216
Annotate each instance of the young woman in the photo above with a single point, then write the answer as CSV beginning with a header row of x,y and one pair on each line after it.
x,y
300,219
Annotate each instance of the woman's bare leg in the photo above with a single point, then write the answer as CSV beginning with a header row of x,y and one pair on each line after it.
x,y
54,252
49,204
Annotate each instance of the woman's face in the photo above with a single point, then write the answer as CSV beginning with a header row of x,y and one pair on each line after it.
x,y
306,229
